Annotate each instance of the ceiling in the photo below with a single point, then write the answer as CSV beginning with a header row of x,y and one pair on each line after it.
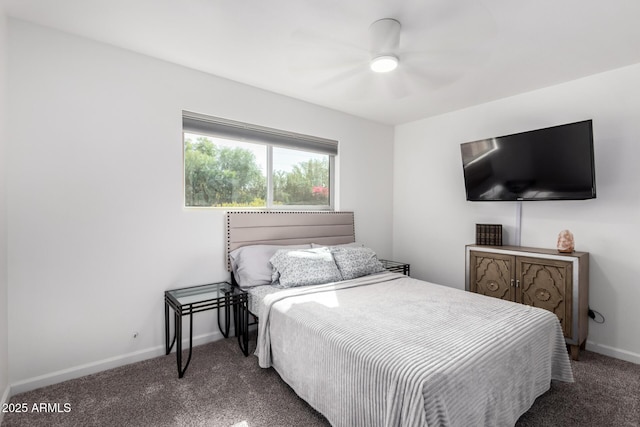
x,y
453,54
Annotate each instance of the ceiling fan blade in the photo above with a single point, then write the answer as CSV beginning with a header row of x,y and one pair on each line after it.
x,y
342,76
358,84
421,79
397,86
314,54
318,61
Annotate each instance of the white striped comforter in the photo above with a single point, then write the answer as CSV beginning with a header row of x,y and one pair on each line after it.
x,y
389,350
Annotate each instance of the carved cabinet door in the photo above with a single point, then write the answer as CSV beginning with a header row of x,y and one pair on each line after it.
x,y
492,274
546,284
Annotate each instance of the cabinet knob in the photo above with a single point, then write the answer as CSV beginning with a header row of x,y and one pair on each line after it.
x,y
493,286
511,282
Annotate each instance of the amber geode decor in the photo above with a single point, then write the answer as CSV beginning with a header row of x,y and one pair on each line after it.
x,y
566,243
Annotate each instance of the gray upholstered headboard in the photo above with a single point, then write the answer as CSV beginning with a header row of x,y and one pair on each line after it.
x,y
288,228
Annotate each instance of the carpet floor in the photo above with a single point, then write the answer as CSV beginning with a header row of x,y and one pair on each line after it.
x,y
223,388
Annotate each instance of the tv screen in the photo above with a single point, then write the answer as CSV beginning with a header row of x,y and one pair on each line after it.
x,y
554,163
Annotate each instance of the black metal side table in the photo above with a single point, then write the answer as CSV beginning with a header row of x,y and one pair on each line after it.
x,y
194,299
395,266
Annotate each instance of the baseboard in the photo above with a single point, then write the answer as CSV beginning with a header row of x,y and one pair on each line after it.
x,y
5,399
105,364
613,352
137,356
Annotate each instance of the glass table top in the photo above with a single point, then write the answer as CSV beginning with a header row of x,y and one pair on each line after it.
x,y
200,293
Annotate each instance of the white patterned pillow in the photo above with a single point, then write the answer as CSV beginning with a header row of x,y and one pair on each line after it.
x,y
303,267
355,262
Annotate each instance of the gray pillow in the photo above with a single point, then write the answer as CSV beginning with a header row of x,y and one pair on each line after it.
x,y
251,266
303,267
355,262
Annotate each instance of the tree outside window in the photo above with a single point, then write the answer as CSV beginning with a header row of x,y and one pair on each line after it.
x,y
220,172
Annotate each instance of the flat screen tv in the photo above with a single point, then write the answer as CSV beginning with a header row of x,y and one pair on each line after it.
x,y
554,163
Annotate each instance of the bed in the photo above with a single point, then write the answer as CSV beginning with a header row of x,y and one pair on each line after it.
x,y
385,349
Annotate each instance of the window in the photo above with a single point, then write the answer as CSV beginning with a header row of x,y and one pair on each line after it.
x,y
233,164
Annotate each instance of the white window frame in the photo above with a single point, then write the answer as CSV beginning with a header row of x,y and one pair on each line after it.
x,y
200,124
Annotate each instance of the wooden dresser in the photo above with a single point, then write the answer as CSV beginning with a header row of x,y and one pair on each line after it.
x,y
545,278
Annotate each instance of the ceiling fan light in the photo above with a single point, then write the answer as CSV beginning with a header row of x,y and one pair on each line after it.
x,y
384,63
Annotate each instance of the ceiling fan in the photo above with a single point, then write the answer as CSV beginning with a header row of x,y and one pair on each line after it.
x,y
385,42
390,65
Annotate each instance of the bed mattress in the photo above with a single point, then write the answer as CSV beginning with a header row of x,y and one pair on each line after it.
x,y
256,294
390,350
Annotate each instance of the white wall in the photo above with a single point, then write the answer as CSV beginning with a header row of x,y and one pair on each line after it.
x,y
97,227
4,346
433,222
